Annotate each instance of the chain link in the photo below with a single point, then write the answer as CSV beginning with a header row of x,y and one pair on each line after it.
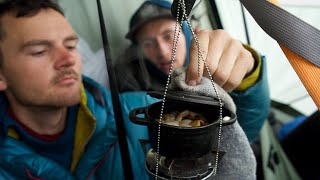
x,y
212,82
200,57
173,54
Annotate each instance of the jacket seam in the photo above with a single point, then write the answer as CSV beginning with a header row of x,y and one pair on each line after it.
x,y
101,161
30,176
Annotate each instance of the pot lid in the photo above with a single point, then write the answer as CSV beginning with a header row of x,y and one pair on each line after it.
x,y
184,96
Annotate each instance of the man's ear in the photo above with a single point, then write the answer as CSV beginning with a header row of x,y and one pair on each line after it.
x,y
3,82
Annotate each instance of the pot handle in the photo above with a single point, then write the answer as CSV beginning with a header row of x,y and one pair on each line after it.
x,y
229,122
137,120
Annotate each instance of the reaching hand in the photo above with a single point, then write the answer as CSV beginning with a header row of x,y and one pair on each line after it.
x,y
228,61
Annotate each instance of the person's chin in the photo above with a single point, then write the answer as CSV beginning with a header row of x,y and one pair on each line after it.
x,y
69,96
71,99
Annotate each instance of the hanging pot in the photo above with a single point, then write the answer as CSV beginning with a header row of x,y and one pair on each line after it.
x,y
182,142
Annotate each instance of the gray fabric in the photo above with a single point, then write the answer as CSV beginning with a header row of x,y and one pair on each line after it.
x,y
205,88
239,161
288,30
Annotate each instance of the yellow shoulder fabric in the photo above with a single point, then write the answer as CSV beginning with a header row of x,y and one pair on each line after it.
x,y
85,127
253,77
13,133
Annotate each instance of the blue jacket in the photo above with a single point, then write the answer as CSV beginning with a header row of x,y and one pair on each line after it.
x,y
95,145
96,153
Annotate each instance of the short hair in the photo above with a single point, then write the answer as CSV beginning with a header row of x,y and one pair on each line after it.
x,y
23,8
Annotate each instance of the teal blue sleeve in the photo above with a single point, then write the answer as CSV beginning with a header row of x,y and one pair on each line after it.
x,y
135,132
20,162
112,167
253,105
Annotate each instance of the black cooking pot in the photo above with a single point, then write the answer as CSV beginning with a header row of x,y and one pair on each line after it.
x,y
182,142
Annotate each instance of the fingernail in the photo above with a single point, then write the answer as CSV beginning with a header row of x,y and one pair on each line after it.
x,y
192,83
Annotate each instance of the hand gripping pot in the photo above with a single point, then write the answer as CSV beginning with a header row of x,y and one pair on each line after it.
x,y
182,142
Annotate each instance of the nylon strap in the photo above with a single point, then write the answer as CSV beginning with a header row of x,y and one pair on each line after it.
x,y
299,41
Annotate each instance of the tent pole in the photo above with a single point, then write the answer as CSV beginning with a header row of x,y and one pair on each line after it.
x,y
216,14
245,24
125,157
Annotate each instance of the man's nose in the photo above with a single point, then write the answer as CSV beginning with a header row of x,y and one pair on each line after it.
x,y
164,50
64,58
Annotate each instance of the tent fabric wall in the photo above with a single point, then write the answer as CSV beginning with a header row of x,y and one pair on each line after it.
x,y
83,16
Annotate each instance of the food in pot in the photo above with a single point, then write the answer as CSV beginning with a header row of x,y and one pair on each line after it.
x,y
184,119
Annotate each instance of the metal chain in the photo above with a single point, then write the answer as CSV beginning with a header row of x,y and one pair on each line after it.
x,y
200,56
173,54
212,82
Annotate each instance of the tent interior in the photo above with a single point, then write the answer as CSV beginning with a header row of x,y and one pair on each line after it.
x,y
289,97
285,86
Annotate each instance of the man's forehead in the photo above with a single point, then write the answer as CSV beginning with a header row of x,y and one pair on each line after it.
x,y
44,14
44,24
158,26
